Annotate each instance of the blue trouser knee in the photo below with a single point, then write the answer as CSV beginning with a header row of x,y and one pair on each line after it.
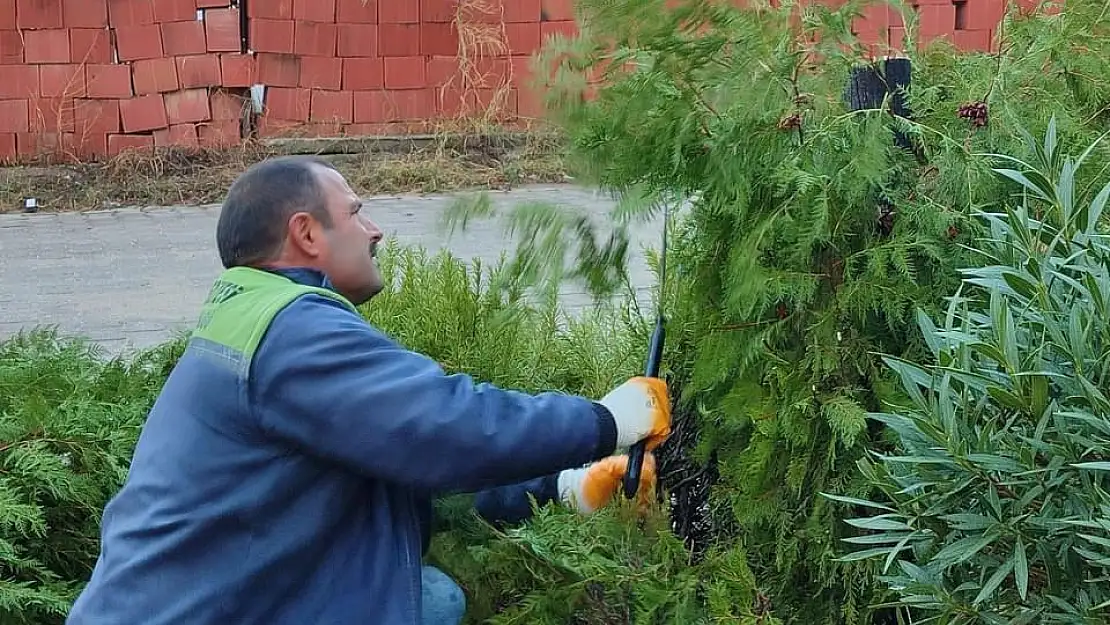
x,y
443,601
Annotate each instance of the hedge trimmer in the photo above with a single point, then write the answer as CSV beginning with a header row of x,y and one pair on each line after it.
x,y
651,370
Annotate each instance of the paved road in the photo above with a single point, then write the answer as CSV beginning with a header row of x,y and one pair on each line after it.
x,y
129,278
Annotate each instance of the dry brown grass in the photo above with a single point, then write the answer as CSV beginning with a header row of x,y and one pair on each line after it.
x,y
202,175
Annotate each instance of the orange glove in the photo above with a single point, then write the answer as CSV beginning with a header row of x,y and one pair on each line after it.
x,y
591,487
642,409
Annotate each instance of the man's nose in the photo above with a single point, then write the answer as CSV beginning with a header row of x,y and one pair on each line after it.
x,y
374,231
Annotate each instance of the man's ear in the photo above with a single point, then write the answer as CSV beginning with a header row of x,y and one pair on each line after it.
x,y
305,234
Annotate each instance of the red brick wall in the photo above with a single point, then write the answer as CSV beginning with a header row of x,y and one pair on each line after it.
x,y
968,24
89,78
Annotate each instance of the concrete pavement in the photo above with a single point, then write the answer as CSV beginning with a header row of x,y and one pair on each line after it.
x,y
129,278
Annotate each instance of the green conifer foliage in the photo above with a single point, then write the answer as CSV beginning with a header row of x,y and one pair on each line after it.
x,y
68,424
807,240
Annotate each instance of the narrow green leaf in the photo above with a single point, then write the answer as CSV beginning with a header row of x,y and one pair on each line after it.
x,y
1006,398
1093,558
967,521
992,499
1038,391
865,554
1020,284
857,502
1078,334
1097,399
1100,423
994,582
1005,157
1065,193
1029,496
880,523
1010,341
992,462
1050,139
919,460
990,351
914,572
928,331
894,552
1094,287
1098,205
1021,179
962,550
1093,466
913,378
1098,540
876,539
1021,569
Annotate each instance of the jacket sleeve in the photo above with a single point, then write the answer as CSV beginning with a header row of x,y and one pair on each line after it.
x,y
325,382
512,504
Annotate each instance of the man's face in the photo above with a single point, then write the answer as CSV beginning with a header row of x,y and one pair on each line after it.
x,y
348,258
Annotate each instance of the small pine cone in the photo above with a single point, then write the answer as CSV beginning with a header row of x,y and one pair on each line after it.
x,y
790,122
975,112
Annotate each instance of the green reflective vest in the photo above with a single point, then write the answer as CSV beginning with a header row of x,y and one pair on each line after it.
x,y
242,303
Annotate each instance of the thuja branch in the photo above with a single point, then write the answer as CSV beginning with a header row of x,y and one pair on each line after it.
x,y
53,441
744,326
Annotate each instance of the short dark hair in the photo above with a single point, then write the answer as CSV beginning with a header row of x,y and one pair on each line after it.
x,y
251,227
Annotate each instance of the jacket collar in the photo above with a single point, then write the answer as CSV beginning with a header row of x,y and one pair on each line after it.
x,y
303,275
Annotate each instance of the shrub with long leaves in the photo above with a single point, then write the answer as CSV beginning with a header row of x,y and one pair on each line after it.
x,y
997,502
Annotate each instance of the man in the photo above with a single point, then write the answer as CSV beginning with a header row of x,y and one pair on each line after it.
x,y
285,472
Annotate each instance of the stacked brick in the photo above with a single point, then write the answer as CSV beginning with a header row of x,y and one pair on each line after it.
x,y
383,66
88,78
968,24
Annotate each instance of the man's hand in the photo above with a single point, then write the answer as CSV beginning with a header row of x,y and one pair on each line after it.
x,y
642,409
590,488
